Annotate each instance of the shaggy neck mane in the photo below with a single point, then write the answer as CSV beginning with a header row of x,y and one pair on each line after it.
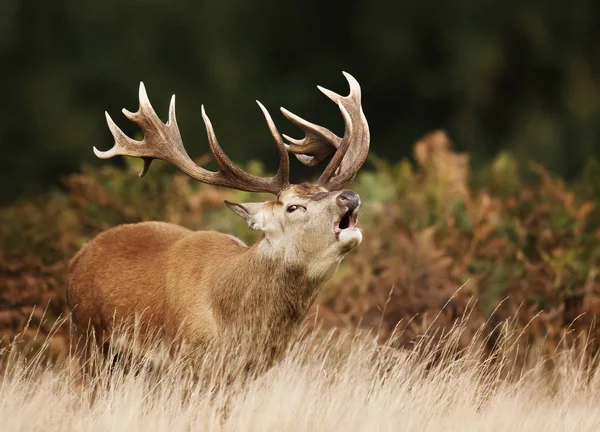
x,y
271,295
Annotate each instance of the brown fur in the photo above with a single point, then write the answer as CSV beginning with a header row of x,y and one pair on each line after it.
x,y
209,286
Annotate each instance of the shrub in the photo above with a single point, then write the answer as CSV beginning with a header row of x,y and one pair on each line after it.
x,y
437,237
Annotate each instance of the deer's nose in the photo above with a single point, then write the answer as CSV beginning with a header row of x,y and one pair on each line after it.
x,y
349,199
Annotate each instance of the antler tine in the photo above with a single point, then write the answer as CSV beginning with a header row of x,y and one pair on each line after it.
x,y
163,141
353,149
125,145
355,153
283,172
250,182
224,162
319,143
337,158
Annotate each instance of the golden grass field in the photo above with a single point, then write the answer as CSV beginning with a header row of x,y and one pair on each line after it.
x,y
328,381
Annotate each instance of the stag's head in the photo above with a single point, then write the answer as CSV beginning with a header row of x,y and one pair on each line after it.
x,y
306,221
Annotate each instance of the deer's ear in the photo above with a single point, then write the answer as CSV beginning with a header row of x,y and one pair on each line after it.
x,y
252,213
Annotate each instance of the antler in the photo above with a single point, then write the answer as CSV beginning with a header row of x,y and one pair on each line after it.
x,y
349,153
163,141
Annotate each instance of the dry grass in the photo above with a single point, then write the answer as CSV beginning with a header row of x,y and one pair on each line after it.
x,y
327,382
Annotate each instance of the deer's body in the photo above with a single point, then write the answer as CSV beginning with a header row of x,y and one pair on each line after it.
x,y
189,290
208,287
201,285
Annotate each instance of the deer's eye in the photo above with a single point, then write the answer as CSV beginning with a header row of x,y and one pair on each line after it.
x,y
293,208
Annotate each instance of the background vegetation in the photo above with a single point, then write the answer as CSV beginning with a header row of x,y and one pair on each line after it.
x,y
438,237
515,84
517,76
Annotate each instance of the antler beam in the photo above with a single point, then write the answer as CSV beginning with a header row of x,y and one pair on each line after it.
x,y
163,141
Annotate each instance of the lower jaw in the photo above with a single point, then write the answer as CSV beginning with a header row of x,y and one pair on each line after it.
x,y
349,238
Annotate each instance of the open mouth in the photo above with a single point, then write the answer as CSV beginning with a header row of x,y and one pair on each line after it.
x,y
348,221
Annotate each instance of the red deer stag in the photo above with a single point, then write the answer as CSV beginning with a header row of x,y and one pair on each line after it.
x,y
209,287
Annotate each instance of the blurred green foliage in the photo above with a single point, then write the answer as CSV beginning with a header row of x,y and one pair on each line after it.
x,y
438,237
512,76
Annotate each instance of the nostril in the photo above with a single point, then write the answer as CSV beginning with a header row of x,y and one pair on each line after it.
x,y
349,199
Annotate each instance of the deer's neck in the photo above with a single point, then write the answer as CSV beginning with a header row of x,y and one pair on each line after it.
x,y
270,289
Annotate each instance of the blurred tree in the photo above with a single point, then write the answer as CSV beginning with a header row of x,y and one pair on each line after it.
x,y
517,76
